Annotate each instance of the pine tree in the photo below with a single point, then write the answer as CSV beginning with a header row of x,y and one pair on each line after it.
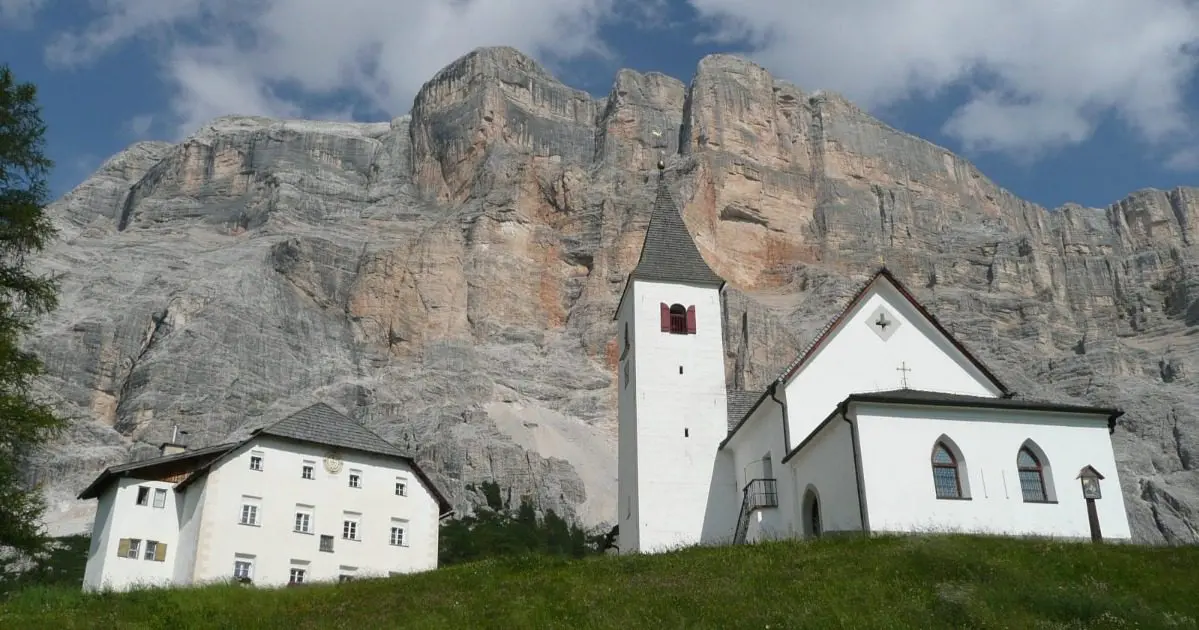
x,y
25,423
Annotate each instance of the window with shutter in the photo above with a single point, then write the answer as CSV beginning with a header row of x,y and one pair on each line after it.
x,y
691,320
123,548
665,317
160,553
678,319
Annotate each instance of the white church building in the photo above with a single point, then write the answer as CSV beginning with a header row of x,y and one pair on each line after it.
x,y
885,423
313,497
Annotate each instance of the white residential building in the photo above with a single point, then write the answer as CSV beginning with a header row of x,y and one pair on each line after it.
x,y
313,497
885,423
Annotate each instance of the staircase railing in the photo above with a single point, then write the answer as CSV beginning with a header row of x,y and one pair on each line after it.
x,y
758,493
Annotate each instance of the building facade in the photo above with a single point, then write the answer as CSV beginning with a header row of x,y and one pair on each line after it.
x,y
884,423
314,497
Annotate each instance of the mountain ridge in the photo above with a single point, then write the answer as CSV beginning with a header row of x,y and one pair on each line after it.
x,y
448,276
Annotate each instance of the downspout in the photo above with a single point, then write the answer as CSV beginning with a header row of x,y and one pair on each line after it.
x,y
857,466
774,388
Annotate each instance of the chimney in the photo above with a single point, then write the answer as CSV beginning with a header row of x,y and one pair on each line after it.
x,y
175,445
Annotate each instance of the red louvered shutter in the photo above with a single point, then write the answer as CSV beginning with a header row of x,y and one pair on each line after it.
x,y
690,320
665,317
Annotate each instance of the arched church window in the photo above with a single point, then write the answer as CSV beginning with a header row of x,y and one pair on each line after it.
x,y
678,319
946,479
1032,476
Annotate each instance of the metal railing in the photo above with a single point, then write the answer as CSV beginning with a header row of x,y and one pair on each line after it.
x,y
759,493
762,493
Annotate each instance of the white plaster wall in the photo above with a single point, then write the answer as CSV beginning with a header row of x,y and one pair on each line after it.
x,y
191,508
896,445
680,418
724,502
126,519
93,572
627,515
760,435
855,359
275,545
826,464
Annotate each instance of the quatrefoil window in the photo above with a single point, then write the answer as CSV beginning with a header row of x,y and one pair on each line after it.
x,y
883,323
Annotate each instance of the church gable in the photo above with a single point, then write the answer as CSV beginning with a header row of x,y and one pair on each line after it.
x,y
884,340
898,326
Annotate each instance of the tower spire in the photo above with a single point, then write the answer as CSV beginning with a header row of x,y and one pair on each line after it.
x,y
669,253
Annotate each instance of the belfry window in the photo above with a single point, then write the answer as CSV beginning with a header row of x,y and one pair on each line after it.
x,y
678,319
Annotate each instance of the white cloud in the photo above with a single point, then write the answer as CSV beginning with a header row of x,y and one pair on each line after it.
x,y
1044,71
1184,160
18,13
1040,74
140,125
263,57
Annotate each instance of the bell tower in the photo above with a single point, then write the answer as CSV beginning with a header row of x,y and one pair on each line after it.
x,y
672,396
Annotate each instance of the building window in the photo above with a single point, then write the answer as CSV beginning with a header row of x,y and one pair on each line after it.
x,y
256,461
249,511
326,543
143,495
1032,476
160,497
399,533
678,319
401,487
129,548
349,526
945,473
304,519
155,551
296,576
243,568
346,574
308,470
344,578
355,478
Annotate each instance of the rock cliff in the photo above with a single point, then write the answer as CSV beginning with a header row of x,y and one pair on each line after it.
x,y
449,278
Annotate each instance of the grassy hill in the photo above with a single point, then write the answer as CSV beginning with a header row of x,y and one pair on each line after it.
x,y
934,582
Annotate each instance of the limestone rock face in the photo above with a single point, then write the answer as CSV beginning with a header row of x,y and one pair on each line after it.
x,y
449,278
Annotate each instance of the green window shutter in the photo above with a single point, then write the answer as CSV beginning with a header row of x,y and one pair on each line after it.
x,y
160,552
123,548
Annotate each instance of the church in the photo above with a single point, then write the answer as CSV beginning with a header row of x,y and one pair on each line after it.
x,y
884,423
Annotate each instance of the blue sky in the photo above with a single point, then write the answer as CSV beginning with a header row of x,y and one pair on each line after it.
x,y
1072,100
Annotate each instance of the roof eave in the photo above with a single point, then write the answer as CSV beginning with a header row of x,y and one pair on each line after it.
x,y
744,418
1110,413
633,276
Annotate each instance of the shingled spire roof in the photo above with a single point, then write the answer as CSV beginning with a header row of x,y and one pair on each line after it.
x,y
669,253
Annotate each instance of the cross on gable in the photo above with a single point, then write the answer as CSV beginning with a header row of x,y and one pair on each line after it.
x,y
903,370
882,322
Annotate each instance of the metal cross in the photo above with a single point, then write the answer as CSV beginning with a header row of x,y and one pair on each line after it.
x,y
882,322
903,370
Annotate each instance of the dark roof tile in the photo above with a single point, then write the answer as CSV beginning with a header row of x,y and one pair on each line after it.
x,y
322,424
669,253
739,403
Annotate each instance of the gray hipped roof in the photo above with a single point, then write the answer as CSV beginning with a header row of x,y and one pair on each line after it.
x,y
322,424
319,423
669,253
